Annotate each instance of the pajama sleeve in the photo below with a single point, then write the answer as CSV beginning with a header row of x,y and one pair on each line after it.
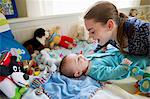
x,y
103,72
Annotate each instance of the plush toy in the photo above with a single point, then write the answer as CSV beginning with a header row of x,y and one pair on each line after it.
x,y
12,76
36,52
57,39
38,41
30,67
133,12
49,60
78,32
5,58
143,85
15,85
8,65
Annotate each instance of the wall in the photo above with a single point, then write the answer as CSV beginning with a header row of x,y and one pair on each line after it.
x,y
21,8
145,2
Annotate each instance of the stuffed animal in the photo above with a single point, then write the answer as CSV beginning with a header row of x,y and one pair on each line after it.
x,y
57,39
31,67
78,32
133,12
15,85
49,60
36,52
37,42
8,65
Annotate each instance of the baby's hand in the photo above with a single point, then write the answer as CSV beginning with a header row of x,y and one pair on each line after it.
x,y
126,61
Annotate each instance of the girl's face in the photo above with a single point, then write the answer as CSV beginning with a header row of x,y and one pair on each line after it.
x,y
98,31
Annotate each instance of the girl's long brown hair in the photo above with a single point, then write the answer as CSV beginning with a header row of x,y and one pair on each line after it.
x,y
102,12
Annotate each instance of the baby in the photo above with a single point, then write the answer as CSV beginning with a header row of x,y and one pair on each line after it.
x,y
101,67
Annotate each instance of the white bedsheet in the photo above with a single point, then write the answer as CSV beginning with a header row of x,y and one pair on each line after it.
x,y
119,89
112,91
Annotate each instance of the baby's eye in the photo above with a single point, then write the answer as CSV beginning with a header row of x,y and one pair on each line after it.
x,y
79,58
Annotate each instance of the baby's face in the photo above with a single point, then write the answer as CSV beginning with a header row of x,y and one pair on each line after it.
x,y
77,63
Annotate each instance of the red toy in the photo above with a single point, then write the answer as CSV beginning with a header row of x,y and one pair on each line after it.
x,y
57,39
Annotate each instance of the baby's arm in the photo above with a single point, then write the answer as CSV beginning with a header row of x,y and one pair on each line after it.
x,y
109,70
104,72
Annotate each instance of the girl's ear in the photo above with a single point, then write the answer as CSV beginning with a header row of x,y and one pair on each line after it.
x,y
110,24
77,74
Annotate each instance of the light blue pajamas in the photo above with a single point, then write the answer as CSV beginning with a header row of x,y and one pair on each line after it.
x,y
107,66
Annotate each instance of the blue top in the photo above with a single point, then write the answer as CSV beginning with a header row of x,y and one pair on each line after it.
x,y
139,40
107,66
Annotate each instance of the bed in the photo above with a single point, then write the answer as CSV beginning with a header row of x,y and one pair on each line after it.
x,y
57,86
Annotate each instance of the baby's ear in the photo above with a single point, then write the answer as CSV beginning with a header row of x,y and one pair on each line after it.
x,y
77,74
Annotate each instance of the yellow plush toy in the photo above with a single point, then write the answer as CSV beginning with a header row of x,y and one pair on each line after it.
x,y
56,39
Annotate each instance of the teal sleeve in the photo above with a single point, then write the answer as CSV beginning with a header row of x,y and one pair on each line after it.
x,y
103,72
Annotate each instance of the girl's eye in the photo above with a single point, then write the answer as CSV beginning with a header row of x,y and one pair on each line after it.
x,y
92,32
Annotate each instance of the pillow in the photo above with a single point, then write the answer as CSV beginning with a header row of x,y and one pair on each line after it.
x,y
8,43
4,27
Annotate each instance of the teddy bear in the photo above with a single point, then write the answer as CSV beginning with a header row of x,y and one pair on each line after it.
x,y
56,39
78,32
133,12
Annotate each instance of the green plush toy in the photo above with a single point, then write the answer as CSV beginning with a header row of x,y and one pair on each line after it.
x,y
19,92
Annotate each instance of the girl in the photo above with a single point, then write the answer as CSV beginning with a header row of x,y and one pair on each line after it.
x,y
106,25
